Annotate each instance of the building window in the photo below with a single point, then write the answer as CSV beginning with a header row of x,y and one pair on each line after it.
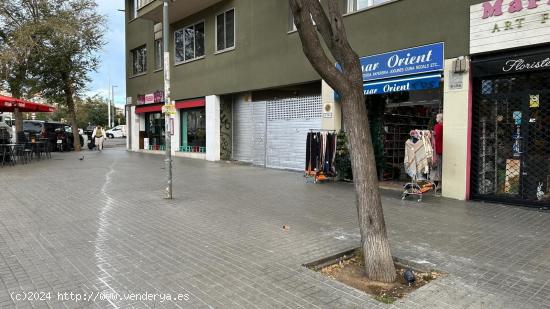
x,y
357,5
189,43
225,30
158,55
139,60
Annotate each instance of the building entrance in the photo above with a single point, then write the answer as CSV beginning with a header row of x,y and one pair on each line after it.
x,y
511,134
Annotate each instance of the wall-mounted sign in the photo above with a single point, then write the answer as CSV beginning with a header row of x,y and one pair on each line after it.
x,y
533,60
149,98
402,84
141,99
501,24
159,96
456,81
128,100
417,60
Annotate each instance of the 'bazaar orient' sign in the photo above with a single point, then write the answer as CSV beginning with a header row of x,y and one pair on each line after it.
x,y
503,24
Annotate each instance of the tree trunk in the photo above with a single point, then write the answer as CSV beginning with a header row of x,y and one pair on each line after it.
x,y
374,240
348,82
17,115
72,117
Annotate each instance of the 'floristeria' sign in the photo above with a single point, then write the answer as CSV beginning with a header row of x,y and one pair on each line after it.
x,y
502,24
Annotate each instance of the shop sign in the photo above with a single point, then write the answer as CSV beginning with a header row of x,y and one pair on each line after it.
x,y
500,24
141,99
149,98
411,61
402,84
158,96
518,64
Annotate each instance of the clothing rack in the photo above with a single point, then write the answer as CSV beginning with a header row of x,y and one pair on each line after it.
x,y
320,155
419,156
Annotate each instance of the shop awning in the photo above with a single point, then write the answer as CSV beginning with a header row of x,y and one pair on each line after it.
x,y
9,104
155,108
409,83
190,103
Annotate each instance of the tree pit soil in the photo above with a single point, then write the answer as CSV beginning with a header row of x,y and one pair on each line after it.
x,y
350,271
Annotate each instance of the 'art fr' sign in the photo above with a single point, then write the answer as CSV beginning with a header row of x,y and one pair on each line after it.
x,y
502,24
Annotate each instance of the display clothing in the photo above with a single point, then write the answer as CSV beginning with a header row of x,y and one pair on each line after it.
x,y
418,154
321,154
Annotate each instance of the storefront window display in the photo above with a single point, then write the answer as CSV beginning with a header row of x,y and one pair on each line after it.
x,y
392,117
155,129
193,126
511,129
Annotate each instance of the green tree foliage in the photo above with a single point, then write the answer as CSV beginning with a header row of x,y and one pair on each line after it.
x,y
21,30
88,111
69,53
51,47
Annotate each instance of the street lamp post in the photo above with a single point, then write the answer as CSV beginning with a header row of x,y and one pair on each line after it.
x,y
167,102
112,119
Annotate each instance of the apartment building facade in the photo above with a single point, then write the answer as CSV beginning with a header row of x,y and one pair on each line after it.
x,y
244,91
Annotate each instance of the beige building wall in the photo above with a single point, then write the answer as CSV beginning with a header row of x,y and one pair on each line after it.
x,y
455,133
332,111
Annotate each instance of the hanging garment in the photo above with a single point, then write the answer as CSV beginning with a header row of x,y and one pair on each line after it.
x,y
416,160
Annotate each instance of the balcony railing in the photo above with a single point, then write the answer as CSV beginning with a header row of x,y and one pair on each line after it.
x,y
142,3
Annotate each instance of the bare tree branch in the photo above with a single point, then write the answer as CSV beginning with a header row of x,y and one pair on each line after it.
x,y
312,46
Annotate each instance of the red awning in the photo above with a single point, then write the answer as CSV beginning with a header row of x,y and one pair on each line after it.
x,y
190,103
149,109
8,104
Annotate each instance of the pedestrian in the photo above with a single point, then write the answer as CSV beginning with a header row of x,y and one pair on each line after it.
x,y
98,136
438,151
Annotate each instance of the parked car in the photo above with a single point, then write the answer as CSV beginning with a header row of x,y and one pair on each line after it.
x,y
59,135
116,132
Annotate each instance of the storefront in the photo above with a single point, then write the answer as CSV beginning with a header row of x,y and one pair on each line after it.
x,y
510,153
403,92
192,120
150,125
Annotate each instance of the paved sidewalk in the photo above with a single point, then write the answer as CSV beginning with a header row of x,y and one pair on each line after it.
x,y
100,225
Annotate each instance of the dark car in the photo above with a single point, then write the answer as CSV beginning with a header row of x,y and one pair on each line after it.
x,y
55,132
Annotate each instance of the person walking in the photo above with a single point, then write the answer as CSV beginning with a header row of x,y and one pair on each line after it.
x,y
438,149
98,136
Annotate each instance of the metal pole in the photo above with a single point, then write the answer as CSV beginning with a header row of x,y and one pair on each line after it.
x,y
112,124
167,102
109,104
109,113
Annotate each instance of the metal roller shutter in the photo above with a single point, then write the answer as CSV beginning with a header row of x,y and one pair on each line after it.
x,y
249,132
288,122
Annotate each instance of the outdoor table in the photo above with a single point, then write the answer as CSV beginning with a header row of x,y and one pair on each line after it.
x,y
8,150
38,147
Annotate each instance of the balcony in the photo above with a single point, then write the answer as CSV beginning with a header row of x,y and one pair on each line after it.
x,y
179,9
142,3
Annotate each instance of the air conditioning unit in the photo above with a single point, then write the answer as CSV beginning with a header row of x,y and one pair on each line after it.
x,y
461,65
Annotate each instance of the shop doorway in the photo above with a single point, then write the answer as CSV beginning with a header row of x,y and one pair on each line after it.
x,y
392,117
511,138
154,129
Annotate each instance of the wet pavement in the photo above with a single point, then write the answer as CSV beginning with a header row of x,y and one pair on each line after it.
x,y
98,228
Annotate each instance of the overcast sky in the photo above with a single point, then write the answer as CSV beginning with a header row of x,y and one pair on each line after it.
x,y
112,55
